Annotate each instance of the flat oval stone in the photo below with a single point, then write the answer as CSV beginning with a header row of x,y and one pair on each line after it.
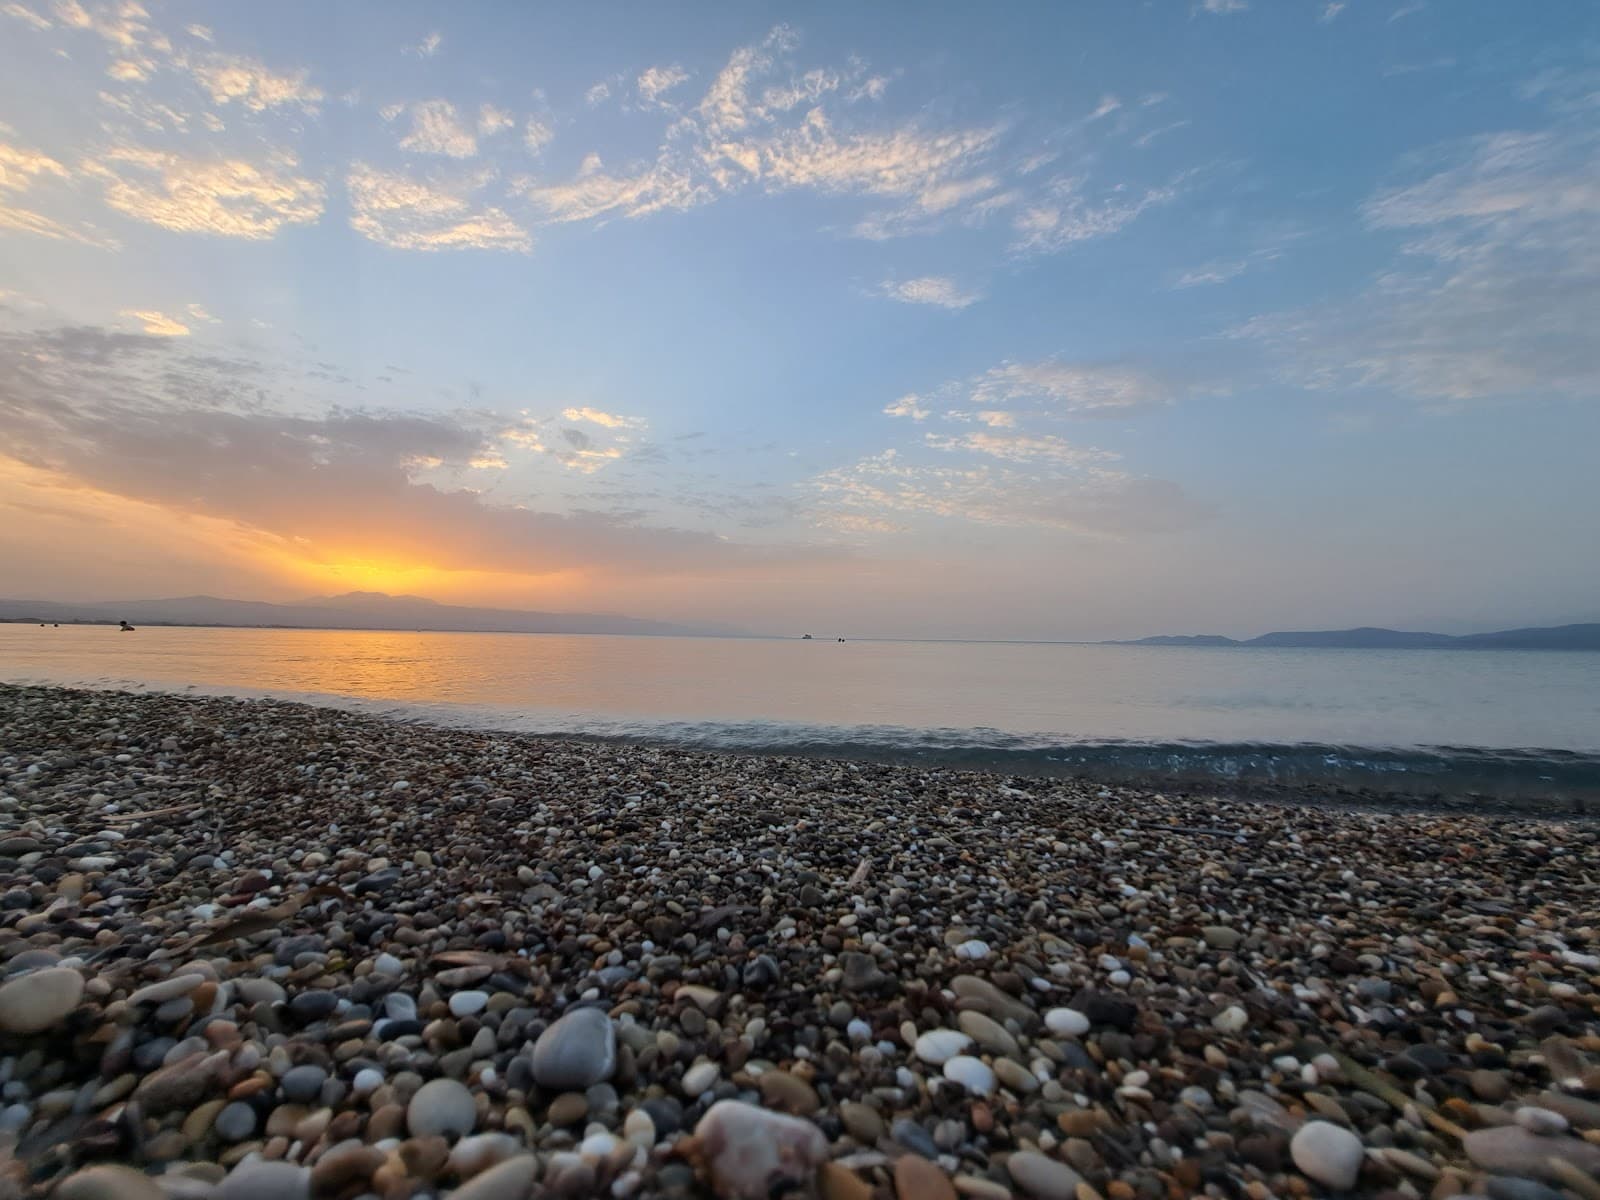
x,y
1042,1177
915,1178
259,1179
302,1085
988,1033
443,1107
1329,1154
1066,1022
576,1052
40,1000
508,1181
108,1183
939,1046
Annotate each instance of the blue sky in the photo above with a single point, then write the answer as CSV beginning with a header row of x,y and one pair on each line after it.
x,y
1067,320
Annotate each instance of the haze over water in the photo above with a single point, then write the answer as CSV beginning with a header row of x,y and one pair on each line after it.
x,y
1495,722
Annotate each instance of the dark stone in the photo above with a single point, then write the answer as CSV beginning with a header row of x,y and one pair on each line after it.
x,y
313,1005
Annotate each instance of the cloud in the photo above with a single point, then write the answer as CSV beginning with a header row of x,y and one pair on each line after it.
x,y
655,82
436,128
1492,292
88,406
1020,447
225,197
492,120
20,169
598,94
1331,10
537,134
1220,8
1216,271
158,323
427,47
782,139
608,420
1071,496
1068,387
409,214
909,405
1108,105
596,194
930,289
1066,216
899,162
23,13
256,87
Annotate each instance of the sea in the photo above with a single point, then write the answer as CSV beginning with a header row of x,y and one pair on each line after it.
x,y
1472,725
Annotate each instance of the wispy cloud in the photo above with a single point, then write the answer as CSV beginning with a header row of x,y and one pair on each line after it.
x,y
158,324
1071,496
427,47
228,197
436,128
1491,296
909,405
22,12
405,213
230,79
597,416
1221,8
930,289
493,120
1068,387
656,82
537,134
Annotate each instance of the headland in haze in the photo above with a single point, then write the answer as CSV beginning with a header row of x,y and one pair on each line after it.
x,y
1555,637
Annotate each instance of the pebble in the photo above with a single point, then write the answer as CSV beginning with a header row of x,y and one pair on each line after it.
x,y
938,1046
918,1179
258,1179
1066,1022
699,1078
1329,1154
236,1122
751,1153
39,1000
973,1074
1041,1177
778,931
508,1181
578,1050
441,1106
302,1085
108,1183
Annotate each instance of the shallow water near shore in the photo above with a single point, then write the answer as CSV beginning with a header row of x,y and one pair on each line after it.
x,y
1498,724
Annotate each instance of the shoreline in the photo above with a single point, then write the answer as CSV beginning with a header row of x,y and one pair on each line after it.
x,y
1125,765
1027,986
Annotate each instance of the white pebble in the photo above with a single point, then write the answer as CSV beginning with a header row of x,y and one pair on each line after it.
x,y
941,1045
971,1073
1066,1022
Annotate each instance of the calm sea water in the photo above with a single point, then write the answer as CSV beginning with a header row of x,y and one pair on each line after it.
x,y
1501,723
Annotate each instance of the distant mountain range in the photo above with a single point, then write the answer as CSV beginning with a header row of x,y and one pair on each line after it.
x,y
1558,637
353,610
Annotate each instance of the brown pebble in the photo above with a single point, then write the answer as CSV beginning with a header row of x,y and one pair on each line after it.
x,y
837,1182
915,1178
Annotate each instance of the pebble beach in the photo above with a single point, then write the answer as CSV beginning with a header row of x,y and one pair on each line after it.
x,y
256,950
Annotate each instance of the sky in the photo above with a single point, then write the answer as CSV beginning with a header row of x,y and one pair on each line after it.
x,y
1066,320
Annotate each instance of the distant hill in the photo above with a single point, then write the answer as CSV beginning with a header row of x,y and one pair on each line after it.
x,y
1558,637
353,610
